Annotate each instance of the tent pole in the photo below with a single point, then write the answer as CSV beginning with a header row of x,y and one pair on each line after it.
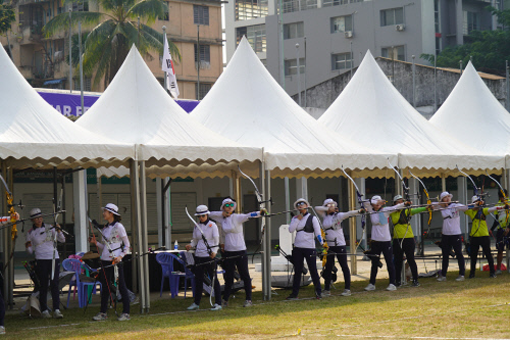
x,y
5,245
352,227
144,266
135,198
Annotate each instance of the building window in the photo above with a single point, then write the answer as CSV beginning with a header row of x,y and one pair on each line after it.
x,y
87,84
394,52
166,17
204,89
250,9
82,6
298,5
291,66
256,35
341,24
341,61
392,16
471,22
294,30
201,15
205,56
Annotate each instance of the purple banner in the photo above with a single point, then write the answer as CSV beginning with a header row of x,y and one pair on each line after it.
x,y
69,104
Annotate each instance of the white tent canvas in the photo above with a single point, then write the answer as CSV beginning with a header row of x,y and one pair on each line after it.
x,y
136,109
371,111
248,106
34,134
474,116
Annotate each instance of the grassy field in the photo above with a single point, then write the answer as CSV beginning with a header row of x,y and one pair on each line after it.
x,y
473,309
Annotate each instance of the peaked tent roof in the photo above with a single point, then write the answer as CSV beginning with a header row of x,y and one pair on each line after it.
x,y
248,106
136,109
474,116
34,134
371,111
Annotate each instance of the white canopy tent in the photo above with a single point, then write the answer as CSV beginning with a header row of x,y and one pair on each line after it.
x,y
474,116
248,106
35,135
136,109
371,111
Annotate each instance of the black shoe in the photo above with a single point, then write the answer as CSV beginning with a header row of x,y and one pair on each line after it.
x,y
318,295
472,276
493,276
398,284
292,297
415,284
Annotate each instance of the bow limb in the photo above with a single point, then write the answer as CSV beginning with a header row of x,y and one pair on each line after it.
x,y
505,197
408,199
429,201
259,195
360,202
475,188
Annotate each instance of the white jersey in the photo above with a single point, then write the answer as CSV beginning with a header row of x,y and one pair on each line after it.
x,y
451,217
232,227
303,238
332,224
42,241
210,230
114,235
379,219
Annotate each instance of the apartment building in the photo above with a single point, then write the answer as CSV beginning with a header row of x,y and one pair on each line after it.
x,y
328,37
194,26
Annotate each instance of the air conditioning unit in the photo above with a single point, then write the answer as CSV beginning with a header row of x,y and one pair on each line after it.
x,y
401,27
348,34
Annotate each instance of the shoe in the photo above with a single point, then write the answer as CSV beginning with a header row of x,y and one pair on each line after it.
x,y
57,314
472,276
2,330
224,303
415,284
498,272
292,297
193,306
124,317
46,314
398,284
441,278
248,303
326,293
100,317
391,287
346,292
215,307
460,278
493,276
370,287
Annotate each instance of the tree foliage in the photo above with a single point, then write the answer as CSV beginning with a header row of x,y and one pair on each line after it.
x,y
7,16
111,33
488,50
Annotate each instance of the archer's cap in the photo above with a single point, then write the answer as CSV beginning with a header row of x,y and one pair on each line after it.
x,y
228,200
112,208
36,212
445,194
397,197
301,200
329,201
376,199
202,210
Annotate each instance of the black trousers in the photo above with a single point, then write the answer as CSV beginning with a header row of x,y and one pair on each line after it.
x,y
210,269
2,309
485,242
341,255
376,248
106,277
310,255
408,249
241,262
447,242
43,272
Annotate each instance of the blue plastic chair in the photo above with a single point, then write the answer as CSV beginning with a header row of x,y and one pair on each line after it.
x,y
76,266
167,261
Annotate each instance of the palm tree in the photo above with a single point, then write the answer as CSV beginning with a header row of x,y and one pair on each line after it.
x,y
114,29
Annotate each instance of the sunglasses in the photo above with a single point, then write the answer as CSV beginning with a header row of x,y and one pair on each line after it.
x,y
300,203
229,205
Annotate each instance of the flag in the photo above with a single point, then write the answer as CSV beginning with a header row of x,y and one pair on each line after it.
x,y
168,67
